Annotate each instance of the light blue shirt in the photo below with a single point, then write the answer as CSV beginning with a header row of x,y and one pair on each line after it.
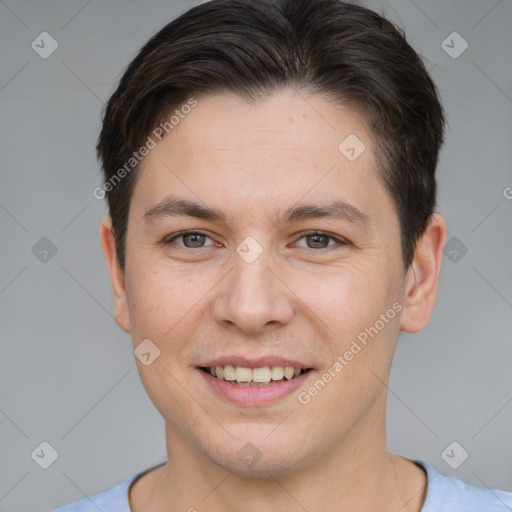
x,y
444,494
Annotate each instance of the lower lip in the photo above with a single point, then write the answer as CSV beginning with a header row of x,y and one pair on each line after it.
x,y
254,395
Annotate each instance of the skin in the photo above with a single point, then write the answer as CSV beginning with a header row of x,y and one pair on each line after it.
x,y
297,299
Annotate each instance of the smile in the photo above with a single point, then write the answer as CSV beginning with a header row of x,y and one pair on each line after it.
x,y
255,386
263,376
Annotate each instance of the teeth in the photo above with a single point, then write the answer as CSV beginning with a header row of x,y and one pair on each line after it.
x,y
229,372
254,376
243,374
277,372
262,374
288,372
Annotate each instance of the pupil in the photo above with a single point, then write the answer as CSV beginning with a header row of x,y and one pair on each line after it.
x,y
196,243
317,237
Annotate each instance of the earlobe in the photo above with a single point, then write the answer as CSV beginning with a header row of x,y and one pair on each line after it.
x,y
422,277
117,276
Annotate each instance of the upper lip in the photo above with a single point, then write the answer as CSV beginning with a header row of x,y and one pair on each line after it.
x,y
258,362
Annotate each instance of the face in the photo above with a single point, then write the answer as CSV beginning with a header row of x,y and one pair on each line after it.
x,y
251,278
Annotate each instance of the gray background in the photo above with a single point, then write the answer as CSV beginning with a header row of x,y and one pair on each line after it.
x,y
67,373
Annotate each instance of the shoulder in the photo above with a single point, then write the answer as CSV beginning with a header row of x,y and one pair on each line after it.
x,y
449,494
114,499
111,500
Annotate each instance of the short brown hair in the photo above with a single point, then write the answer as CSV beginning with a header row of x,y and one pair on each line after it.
x,y
254,47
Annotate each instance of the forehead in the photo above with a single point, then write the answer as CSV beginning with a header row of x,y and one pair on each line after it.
x,y
282,150
226,122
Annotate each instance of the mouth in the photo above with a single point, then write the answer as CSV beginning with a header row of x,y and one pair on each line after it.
x,y
262,376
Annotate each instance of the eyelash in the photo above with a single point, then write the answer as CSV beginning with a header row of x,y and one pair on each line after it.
x,y
304,234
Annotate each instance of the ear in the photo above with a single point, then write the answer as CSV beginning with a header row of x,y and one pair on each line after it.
x,y
117,278
423,276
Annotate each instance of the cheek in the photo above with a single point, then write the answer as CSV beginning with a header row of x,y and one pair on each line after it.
x,y
157,300
163,309
348,306
168,305
349,302
346,298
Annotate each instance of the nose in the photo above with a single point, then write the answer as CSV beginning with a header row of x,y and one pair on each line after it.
x,y
253,296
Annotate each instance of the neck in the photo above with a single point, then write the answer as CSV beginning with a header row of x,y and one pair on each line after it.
x,y
356,473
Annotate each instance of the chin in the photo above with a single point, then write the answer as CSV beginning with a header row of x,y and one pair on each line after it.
x,y
259,459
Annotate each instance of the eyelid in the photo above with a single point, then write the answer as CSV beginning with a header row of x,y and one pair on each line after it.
x,y
173,236
312,232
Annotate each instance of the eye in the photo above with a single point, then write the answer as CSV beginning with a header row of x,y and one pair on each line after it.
x,y
191,239
197,240
320,240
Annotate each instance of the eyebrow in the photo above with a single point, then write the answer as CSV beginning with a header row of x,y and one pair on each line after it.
x,y
180,207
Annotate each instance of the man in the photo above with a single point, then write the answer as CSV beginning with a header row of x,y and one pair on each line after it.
x,y
270,174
